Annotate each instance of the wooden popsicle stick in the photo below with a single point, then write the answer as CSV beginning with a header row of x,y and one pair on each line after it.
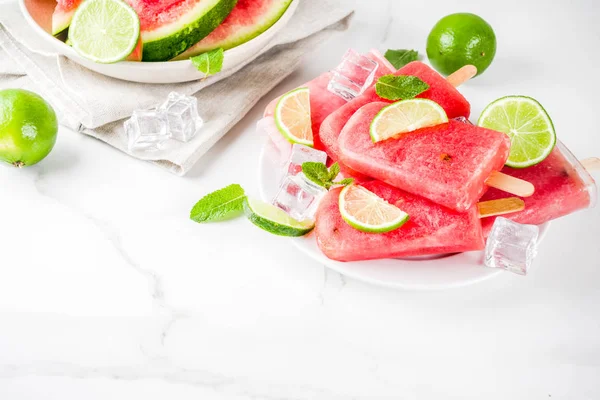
x,y
591,164
500,207
510,184
462,75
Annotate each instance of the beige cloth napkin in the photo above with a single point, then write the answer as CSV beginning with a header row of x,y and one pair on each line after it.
x,y
97,105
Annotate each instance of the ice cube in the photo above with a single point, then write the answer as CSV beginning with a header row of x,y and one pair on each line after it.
x,y
463,120
301,154
353,76
146,130
299,197
182,116
280,148
511,246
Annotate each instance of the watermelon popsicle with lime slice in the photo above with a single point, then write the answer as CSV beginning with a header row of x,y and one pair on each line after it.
x,y
448,164
442,91
431,229
323,102
563,186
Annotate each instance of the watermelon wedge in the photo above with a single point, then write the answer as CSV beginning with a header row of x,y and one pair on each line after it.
x,y
170,27
63,14
248,19
432,229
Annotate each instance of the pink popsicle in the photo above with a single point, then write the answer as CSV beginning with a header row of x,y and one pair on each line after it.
x,y
562,186
439,91
447,164
323,102
432,229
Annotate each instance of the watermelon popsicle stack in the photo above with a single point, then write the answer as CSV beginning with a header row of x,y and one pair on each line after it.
x,y
448,164
563,186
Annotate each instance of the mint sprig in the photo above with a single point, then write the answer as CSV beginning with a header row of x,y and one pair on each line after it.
x,y
319,174
209,63
220,205
396,87
399,58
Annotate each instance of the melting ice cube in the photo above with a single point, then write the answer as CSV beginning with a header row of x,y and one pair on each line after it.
x,y
299,197
280,148
464,120
511,246
146,130
301,154
182,116
353,76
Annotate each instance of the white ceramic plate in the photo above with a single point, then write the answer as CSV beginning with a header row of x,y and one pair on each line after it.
x,y
38,14
413,274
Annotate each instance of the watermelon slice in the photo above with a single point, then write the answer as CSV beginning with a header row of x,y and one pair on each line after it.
x,y
432,229
136,54
63,14
248,19
170,27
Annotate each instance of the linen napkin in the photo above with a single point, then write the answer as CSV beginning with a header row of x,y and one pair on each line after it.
x,y
97,105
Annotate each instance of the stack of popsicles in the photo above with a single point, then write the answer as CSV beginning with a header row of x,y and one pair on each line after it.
x,y
446,177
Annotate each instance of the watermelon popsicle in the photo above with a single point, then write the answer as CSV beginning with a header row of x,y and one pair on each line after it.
x,y
323,102
431,229
442,91
563,186
448,164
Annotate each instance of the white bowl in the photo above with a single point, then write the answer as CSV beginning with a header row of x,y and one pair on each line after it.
x,y
38,14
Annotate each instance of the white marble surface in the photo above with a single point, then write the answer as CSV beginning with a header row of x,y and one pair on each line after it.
x,y
108,291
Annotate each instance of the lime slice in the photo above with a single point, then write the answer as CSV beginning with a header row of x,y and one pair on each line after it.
x,y
367,212
406,116
275,220
104,31
529,126
292,116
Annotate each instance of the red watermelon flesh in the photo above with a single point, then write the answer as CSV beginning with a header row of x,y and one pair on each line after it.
x,y
63,14
431,229
562,186
323,103
439,91
447,164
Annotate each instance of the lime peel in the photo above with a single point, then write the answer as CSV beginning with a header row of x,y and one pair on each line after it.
x,y
274,220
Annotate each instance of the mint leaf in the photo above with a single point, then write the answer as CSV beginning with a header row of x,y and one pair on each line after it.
x,y
209,63
319,174
334,171
399,58
316,172
345,182
396,87
219,205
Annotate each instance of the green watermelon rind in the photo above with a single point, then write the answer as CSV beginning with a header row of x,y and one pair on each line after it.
x,y
61,21
176,42
274,15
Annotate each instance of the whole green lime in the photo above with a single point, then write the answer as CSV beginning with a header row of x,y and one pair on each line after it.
x,y
461,39
28,127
